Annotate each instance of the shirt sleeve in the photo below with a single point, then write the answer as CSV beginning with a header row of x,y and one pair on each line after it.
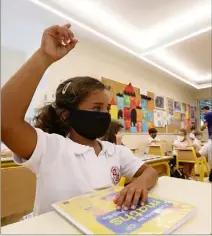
x,y
35,160
204,150
130,164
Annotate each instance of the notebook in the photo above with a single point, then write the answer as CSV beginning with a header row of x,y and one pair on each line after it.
x,y
95,213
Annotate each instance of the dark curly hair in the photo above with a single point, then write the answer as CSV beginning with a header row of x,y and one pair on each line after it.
x,y
69,95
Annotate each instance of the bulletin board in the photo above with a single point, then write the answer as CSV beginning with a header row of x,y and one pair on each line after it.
x,y
128,106
138,113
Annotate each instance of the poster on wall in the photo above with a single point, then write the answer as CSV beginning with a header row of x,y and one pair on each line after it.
x,y
192,112
177,106
160,118
127,105
170,104
159,102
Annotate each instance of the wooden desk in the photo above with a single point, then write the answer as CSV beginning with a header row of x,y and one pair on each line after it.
x,y
192,192
161,164
17,193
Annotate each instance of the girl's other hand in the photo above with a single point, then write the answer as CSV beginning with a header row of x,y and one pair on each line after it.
x,y
129,197
57,41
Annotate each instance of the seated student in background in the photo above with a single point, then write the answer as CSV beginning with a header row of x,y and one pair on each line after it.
x,y
63,149
206,151
192,133
114,133
197,144
183,142
153,139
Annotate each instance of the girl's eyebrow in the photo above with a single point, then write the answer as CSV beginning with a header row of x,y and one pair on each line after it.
x,y
98,103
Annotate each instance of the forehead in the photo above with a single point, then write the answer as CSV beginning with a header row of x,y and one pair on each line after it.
x,y
98,96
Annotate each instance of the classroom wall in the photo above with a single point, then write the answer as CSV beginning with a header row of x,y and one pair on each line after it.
x,y
11,61
89,59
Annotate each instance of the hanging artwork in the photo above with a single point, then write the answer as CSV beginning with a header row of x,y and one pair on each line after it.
x,y
183,107
177,106
159,102
170,104
192,112
160,118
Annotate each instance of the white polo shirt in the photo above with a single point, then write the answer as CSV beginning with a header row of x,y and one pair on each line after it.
x,y
150,139
65,169
206,150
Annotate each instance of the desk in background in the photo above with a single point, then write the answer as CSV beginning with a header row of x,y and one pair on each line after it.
x,y
161,164
191,192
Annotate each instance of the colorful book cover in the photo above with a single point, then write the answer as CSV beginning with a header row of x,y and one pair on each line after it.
x,y
95,213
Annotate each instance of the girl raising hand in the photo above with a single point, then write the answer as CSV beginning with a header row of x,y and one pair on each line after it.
x,y
63,150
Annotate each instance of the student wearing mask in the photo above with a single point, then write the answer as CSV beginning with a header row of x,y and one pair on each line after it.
x,y
183,142
197,140
63,150
192,133
153,139
114,134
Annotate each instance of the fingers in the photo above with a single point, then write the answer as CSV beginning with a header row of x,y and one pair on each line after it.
x,y
64,33
136,198
72,44
128,198
115,200
144,196
121,198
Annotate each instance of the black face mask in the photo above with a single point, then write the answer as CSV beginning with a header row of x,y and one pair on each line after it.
x,y
89,124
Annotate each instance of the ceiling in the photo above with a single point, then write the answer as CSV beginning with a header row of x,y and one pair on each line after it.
x,y
174,36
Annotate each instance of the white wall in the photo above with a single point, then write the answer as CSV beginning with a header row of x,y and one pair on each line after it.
x,y
11,61
89,59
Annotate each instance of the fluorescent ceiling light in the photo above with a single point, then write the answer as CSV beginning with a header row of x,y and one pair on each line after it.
x,y
182,21
89,29
194,34
180,66
95,11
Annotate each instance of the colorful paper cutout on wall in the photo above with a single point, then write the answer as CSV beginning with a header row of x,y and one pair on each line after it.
x,y
114,112
145,115
143,104
139,127
150,105
150,116
120,102
133,102
126,100
144,126
139,115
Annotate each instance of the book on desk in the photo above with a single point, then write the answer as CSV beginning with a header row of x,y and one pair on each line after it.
x,y
95,213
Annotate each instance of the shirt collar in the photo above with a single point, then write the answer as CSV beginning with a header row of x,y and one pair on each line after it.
x,y
80,149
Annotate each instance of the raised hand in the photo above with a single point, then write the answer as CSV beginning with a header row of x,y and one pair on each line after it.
x,y
57,41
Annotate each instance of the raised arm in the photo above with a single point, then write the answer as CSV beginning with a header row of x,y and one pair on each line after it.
x,y
17,93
